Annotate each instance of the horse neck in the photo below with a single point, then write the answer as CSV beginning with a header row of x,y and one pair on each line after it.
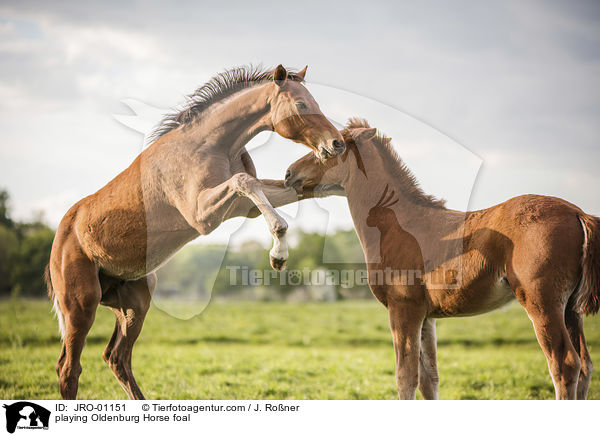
x,y
229,124
411,218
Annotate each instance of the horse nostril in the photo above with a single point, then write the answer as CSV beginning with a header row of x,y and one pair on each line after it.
x,y
288,174
338,145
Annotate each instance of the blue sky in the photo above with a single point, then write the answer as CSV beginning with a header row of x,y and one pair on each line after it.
x,y
516,83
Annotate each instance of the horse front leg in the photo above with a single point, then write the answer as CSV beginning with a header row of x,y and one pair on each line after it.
x,y
429,379
406,320
226,200
253,189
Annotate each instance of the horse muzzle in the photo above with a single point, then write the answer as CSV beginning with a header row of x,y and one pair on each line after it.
x,y
293,181
333,148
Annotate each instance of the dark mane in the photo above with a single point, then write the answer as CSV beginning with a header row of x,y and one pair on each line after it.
x,y
216,89
408,182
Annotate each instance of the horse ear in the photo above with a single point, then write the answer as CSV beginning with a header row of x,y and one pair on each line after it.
x,y
302,74
363,133
279,75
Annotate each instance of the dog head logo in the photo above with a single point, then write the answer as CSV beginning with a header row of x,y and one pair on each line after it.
x,y
26,415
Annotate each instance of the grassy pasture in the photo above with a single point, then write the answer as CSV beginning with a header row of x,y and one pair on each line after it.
x,y
280,351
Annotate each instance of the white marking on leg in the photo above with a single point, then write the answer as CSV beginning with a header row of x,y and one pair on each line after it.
x,y
277,225
60,317
274,220
280,248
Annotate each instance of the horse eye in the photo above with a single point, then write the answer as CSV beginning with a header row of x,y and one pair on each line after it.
x,y
300,105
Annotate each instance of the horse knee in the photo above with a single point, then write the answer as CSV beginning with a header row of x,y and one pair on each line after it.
x,y
568,369
407,387
572,364
243,183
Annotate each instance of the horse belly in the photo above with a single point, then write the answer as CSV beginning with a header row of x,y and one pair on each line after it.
x,y
474,299
139,258
498,295
129,243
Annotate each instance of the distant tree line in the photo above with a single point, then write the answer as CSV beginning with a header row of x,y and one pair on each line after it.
x,y
193,271
197,271
24,252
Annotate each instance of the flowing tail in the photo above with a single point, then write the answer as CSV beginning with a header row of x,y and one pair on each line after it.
x,y
55,305
587,297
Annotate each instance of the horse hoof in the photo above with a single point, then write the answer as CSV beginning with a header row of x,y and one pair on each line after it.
x,y
277,264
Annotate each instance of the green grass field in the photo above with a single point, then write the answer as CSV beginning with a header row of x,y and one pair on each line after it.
x,y
280,351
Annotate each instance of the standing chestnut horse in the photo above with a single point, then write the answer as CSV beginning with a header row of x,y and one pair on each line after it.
x,y
195,175
425,261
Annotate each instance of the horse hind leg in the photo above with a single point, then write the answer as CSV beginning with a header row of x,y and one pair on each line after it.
x,y
574,322
547,316
543,282
61,359
130,303
77,291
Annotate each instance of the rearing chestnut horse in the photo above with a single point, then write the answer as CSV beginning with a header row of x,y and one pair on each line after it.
x,y
195,175
426,262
